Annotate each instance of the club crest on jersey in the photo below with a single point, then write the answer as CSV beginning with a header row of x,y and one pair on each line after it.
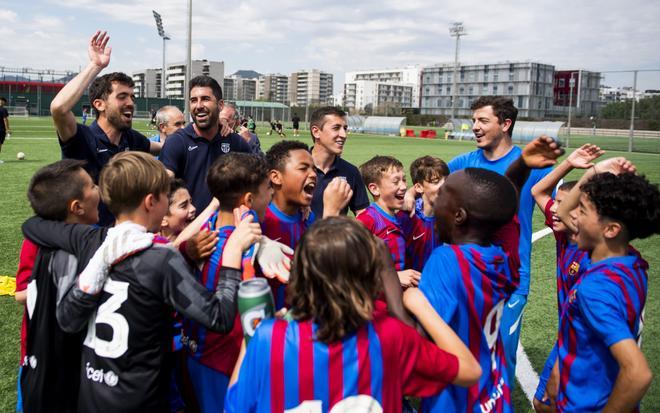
x,y
574,268
225,147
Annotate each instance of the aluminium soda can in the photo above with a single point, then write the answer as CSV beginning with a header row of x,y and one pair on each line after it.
x,y
255,303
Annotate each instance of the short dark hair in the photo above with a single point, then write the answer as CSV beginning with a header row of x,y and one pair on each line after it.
x,y
101,87
567,186
278,154
502,108
428,168
372,171
490,199
627,198
235,174
338,263
2,99
53,186
318,116
206,81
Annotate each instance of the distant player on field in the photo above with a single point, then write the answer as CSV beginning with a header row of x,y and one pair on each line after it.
x,y
4,123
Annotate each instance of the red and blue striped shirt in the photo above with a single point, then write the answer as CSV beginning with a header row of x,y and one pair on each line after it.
x,y
214,350
396,230
288,230
384,360
604,307
468,285
571,261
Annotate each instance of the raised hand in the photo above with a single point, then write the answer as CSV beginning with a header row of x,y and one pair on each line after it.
x,y
583,156
541,152
246,233
616,166
98,49
201,245
336,196
409,278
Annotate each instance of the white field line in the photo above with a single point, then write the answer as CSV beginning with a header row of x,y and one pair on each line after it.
x,y
525,373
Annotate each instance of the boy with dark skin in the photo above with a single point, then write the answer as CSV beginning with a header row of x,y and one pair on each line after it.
x,y
468,280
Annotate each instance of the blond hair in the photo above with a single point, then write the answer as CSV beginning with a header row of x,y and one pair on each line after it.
x,y
128,178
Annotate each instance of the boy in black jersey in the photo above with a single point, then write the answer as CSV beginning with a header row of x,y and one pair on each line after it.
x,y
125,363
64,192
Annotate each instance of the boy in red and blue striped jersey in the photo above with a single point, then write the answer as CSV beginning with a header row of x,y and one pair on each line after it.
x,y
571,261
235,179
341,356
468,281
385,179
428,173
600,365
293,179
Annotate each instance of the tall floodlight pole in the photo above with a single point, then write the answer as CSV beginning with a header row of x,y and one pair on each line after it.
x,y
571,85
186,90
456,30
161,33
631,134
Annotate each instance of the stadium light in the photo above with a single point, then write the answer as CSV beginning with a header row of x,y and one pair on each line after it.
x,y
571,85
456,30
186,91
161,33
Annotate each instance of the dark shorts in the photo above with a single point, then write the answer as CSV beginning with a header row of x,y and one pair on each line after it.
x,y
3,133
295,125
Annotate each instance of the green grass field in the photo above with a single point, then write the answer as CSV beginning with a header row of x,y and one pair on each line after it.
x,y
36,137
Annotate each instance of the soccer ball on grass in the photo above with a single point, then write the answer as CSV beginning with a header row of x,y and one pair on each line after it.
x,y
20,156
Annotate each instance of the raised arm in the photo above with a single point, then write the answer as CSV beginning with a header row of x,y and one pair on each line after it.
x,y
633,380
60,107
580,158
615,166
72,238
539,153
217,310
469,370
392,286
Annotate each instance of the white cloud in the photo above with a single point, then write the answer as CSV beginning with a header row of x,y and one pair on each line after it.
x,y
7,16
285,35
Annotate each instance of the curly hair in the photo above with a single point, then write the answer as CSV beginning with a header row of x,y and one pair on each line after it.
x,y
335,277
628,198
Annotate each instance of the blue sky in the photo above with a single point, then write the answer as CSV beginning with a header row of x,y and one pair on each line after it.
x,y
339,36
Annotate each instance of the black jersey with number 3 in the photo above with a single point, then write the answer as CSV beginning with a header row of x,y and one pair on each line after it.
x,y
125,352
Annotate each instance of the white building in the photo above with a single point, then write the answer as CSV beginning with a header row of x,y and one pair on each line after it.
x,y
529,84
176,75
375,97
147,83
273,87
238,88
361,88
308,87
609,94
